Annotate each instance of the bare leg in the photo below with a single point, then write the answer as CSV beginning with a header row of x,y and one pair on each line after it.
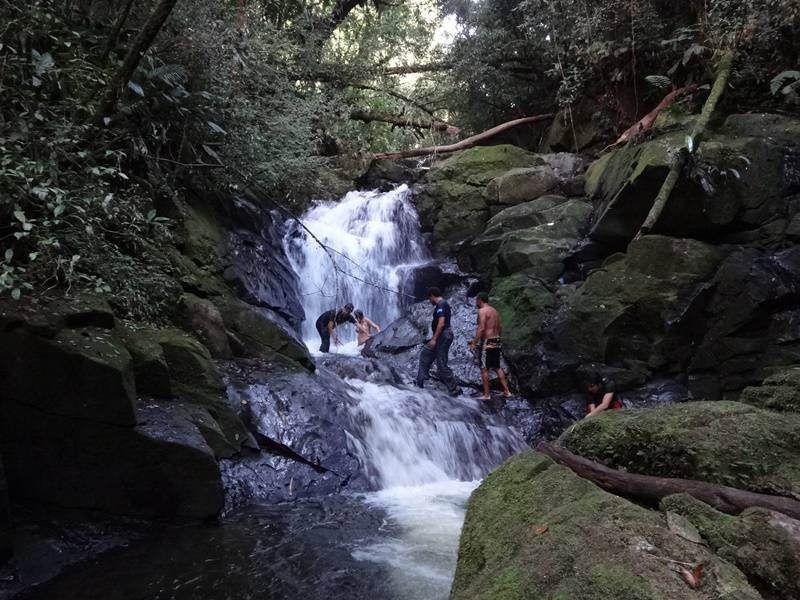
x,y
485,379
501,375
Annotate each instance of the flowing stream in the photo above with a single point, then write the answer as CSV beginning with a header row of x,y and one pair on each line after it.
x,y
422,453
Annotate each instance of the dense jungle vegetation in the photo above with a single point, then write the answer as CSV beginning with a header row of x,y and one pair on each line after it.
x,y
112,107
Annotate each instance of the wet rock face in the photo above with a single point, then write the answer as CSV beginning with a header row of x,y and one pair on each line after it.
x,y
74,433
740,178
535,530
300,422
260,269
461,193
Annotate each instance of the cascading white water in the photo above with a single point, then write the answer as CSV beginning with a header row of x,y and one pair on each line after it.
x,y
423,450
370,235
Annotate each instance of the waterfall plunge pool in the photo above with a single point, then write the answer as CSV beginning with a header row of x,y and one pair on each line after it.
x,y
422,451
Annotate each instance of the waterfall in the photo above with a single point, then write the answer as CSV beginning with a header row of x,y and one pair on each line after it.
x,y
372,237
422,450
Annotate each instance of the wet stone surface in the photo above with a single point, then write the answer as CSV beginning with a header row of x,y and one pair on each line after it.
x,y
303,550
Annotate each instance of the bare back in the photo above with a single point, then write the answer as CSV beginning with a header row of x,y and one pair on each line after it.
x,y
490,318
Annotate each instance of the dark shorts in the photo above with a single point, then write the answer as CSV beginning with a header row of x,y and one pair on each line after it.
x,y
489,353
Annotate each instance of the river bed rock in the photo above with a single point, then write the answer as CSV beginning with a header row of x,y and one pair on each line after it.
x,y
535,530
722,442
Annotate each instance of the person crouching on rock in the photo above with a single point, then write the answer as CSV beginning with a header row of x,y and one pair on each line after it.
x,y
602,394
437,349
364,327
488,344
327,322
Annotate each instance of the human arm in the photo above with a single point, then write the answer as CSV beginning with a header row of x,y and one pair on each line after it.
x,y
437,333
479,332
331,332
604,404
374,326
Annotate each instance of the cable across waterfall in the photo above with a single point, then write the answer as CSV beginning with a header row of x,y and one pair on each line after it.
x,y
372,242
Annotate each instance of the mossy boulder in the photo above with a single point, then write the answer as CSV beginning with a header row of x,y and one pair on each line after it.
x,y
523,303
535,530
203,237
171,364
80,373
541,250
264,334
780,391
535,236
741,176
764,544
204,319
728,443
451,201
623,311
170,360
521,185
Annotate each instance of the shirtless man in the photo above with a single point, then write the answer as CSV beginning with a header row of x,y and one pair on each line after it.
x,y
487,340
364,327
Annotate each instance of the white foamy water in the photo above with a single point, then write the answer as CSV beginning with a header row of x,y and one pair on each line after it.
x,y
372,236
425,452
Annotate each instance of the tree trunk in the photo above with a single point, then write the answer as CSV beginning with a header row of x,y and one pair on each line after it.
x,y
140,46
370,117
647,121
680,157
113,37
468,142
649,489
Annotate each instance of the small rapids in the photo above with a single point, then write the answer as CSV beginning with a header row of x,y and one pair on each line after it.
x,y
423,451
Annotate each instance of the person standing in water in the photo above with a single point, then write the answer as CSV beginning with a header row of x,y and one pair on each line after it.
x,y
489,345
327,322
437,349
364,327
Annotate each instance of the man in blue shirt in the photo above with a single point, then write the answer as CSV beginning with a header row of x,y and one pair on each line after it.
x,y
437,349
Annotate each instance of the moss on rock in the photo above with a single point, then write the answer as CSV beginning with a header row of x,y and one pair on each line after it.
x,y
535,530
764,544
522,303
780,391
722,442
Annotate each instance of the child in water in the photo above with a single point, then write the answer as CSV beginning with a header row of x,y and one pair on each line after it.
x,y
364,327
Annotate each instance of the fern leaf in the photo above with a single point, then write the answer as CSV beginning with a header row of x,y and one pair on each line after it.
x,y
659,81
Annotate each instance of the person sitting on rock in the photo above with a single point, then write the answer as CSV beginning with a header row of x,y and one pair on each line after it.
x,y
437,349
487,341
364,327
327,322
602,394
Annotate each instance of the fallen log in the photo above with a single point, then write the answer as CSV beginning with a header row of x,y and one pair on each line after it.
x,y
681,155
647,121
372,117
651,490
468,142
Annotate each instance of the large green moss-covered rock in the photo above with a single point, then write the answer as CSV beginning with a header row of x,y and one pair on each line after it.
x,y
171,364
541,250
523,303
451,202
764,544
536,531
722,442
521,185
622,311
83,373
780,391
264,334
534,237
739,178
